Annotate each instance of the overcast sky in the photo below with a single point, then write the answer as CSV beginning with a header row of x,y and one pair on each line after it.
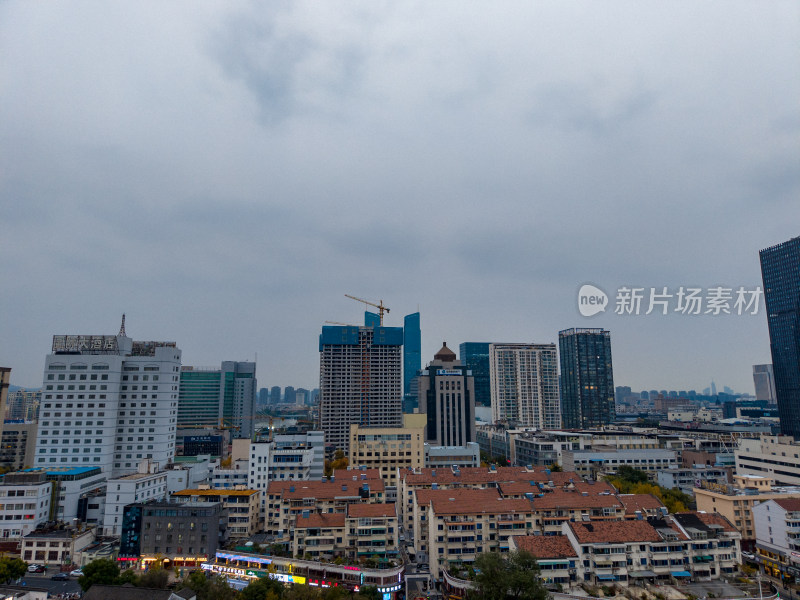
x,y
225,172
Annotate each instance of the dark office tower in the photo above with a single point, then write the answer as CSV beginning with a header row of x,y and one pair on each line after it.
x,y
587,379
446,394
475,356
780,271
275,395
412,355
288,395
359,380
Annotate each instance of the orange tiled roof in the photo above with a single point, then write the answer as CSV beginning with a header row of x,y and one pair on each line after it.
x,y
322,490
641,502
322,520
425,495
371,510
356,473
614,532
561,499
546,546
445,502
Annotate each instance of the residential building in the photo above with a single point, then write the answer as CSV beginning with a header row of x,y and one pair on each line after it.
x,y
147,484
780,272
475,356
777,527
555,556
108,402
524,385
287,458
447,456
776,457
587,379
412,356
447,397
593,463
361,531
181,534
55,546
18,444
389,448
687,480
360,380
287,499
764,382
24,503
23,405
735,502
211,397
243,507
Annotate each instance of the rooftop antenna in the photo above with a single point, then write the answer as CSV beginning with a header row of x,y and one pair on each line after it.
x,y
122,328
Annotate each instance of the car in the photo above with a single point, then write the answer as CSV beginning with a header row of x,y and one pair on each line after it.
x,y
749,555
36,569
76,573
60,577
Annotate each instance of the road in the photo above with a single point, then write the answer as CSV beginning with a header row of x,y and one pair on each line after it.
x,y
42,580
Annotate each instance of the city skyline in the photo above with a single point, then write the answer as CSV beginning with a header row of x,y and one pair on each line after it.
x,y
227,183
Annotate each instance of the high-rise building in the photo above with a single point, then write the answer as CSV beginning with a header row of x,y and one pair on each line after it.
x,y
289,395
587,379
412,355
5,382
475,356
780,272
447,397
23,405
275,395
212,397
359,380
109,402
524,385
764,381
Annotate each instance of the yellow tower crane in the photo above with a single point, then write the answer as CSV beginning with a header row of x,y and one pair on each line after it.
x,y
381,308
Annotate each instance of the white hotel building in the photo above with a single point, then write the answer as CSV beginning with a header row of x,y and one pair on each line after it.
x,y
108,402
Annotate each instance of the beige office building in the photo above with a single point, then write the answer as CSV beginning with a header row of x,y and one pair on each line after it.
x,y
389,448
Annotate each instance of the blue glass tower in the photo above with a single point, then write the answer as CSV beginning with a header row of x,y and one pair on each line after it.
x,y
412,358
780,272
587,378
475,356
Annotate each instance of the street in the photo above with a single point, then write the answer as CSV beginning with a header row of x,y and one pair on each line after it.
x,y
42,580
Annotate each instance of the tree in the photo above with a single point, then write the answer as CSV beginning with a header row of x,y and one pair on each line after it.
x,y
632,475
515,576
12,568
217,589
103,571
369,592
262,589
301,592
555,468
156,577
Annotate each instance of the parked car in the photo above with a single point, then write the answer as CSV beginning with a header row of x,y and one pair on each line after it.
x,y
35,569
749,555
76,573
60,577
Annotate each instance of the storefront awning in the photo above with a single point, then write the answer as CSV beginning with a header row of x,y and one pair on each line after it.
x,y
681,574
606,577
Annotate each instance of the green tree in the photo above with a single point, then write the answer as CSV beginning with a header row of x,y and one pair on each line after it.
x,y
369,592
263,588
103,571
217,589
12,568
632,475
128,576
514,576
556,468
156,577
301,592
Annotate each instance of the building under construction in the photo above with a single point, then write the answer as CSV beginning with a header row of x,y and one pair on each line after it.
x,y
360,380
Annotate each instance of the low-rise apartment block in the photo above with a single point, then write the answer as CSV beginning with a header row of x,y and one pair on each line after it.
x,y
242,506
688,479
55,546
24,503
735,502
591,464
145,485
388,448
774,456
777,527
